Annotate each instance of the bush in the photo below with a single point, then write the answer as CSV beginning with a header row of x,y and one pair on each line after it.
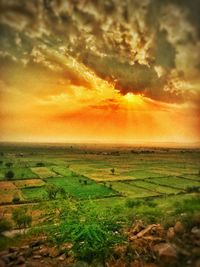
x,y
92,233
130,203
9,164
5,225
16,198
22,218
40,164
9,175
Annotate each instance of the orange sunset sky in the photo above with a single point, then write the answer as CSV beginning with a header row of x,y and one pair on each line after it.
x,y
100,71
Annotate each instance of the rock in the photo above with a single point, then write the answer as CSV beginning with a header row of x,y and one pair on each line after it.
x,y
197,263
20,260
24,247
196,231
135,263
44,252
2,263
62,257
37,243
65,247
27,253
196,251
37,257
80,264
54,252
3,253
5,258
179,228
170,233
167,253
12,249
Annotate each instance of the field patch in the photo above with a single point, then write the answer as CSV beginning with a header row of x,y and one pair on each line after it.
x,y
131,190
154,187
7,185
175,182
82,188
6,196
29,183
36,194
43,172
19,173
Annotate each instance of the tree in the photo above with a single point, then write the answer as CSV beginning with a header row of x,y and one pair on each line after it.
x,y
52,191
112,171
9,164
5,225
9,175
22,218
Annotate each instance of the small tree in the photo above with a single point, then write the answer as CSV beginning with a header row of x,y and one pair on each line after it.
x,y
22,218
16,198
9,164
52,191
112,171
5,225
9,175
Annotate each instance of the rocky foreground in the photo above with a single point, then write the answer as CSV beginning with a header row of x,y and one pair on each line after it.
x,y
150,246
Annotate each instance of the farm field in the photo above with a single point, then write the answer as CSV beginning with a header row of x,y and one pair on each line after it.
x,y
54,188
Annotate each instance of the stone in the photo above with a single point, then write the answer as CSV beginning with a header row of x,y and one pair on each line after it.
x,y
2,263
62,257
166,252
179,228
197,263
44,252
196,231
12,249
80,264
170,233
54,252
27,253
20,260
37,257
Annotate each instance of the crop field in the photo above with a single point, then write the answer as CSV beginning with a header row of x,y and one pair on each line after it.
x,y
174,182
87,171
19,173
28,183
43,172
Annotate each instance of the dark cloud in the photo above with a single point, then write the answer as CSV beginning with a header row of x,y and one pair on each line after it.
x,y
121,41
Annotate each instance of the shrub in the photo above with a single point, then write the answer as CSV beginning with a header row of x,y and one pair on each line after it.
x,y
9,175
22,218
16,198
40,164
130,203
9,164
5,225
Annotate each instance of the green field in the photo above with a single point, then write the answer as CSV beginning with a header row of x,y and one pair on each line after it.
x,y
84,171
19,173
178,183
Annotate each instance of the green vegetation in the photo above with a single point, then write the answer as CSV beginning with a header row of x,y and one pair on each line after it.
x,y
9,175
21,217
87,197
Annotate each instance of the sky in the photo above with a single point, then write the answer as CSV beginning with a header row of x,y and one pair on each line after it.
x,y
100,71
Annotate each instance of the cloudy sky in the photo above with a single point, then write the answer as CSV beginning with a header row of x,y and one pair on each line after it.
x,y
100,70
